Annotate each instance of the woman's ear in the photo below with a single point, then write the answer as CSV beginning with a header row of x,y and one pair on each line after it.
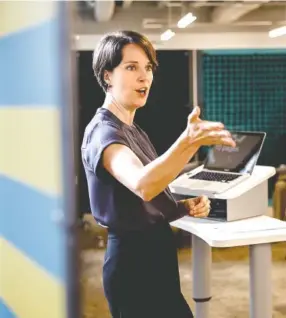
x,y
107,78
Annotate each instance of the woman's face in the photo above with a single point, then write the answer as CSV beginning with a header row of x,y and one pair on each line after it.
x,y
131,80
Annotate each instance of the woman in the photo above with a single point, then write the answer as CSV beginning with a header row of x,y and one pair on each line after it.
x,y
128,183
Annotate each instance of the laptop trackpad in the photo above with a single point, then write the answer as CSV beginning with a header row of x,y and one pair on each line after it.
x,y
207,185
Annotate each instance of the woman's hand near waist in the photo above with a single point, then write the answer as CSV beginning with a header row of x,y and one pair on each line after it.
x,y
198,207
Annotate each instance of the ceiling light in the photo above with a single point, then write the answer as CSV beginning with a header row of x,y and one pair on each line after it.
x,y
186,20
152,24
167,35
277,32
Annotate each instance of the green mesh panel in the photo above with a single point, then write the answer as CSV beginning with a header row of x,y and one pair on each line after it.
x,y
248,92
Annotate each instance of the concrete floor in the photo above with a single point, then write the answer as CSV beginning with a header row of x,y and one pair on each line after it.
x,y
230,280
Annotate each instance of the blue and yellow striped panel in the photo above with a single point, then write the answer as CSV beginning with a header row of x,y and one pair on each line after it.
x,y
32,242
5,311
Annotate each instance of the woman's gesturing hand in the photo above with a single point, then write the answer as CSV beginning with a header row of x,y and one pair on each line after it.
x,y
206,133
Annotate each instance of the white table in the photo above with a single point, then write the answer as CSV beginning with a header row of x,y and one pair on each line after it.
x,y
258,233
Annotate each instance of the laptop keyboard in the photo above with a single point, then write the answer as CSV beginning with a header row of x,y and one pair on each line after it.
x,y
215,176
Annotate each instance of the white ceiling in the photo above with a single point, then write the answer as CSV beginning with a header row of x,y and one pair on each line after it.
x,y
154,17
97,17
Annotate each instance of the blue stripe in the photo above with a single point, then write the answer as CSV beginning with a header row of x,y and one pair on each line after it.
x,y
5,311
27,221
29,72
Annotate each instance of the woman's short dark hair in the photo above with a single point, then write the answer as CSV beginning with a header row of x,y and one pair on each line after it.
x,y
108,53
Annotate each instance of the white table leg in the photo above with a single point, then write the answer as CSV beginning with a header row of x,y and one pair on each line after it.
x,y
260,281
202,259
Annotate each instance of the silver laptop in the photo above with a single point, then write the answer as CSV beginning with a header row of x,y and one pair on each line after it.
x,y
224,166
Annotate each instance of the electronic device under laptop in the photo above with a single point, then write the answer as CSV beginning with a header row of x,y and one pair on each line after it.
x,y
225,166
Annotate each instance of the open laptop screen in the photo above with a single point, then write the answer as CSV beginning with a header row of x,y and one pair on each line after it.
x,y
242,158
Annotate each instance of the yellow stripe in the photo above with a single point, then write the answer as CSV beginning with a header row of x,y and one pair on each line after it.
x,y
18,15
27,289
30,147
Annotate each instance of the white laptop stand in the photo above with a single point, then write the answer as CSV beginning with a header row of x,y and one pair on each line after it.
x,y
256,232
